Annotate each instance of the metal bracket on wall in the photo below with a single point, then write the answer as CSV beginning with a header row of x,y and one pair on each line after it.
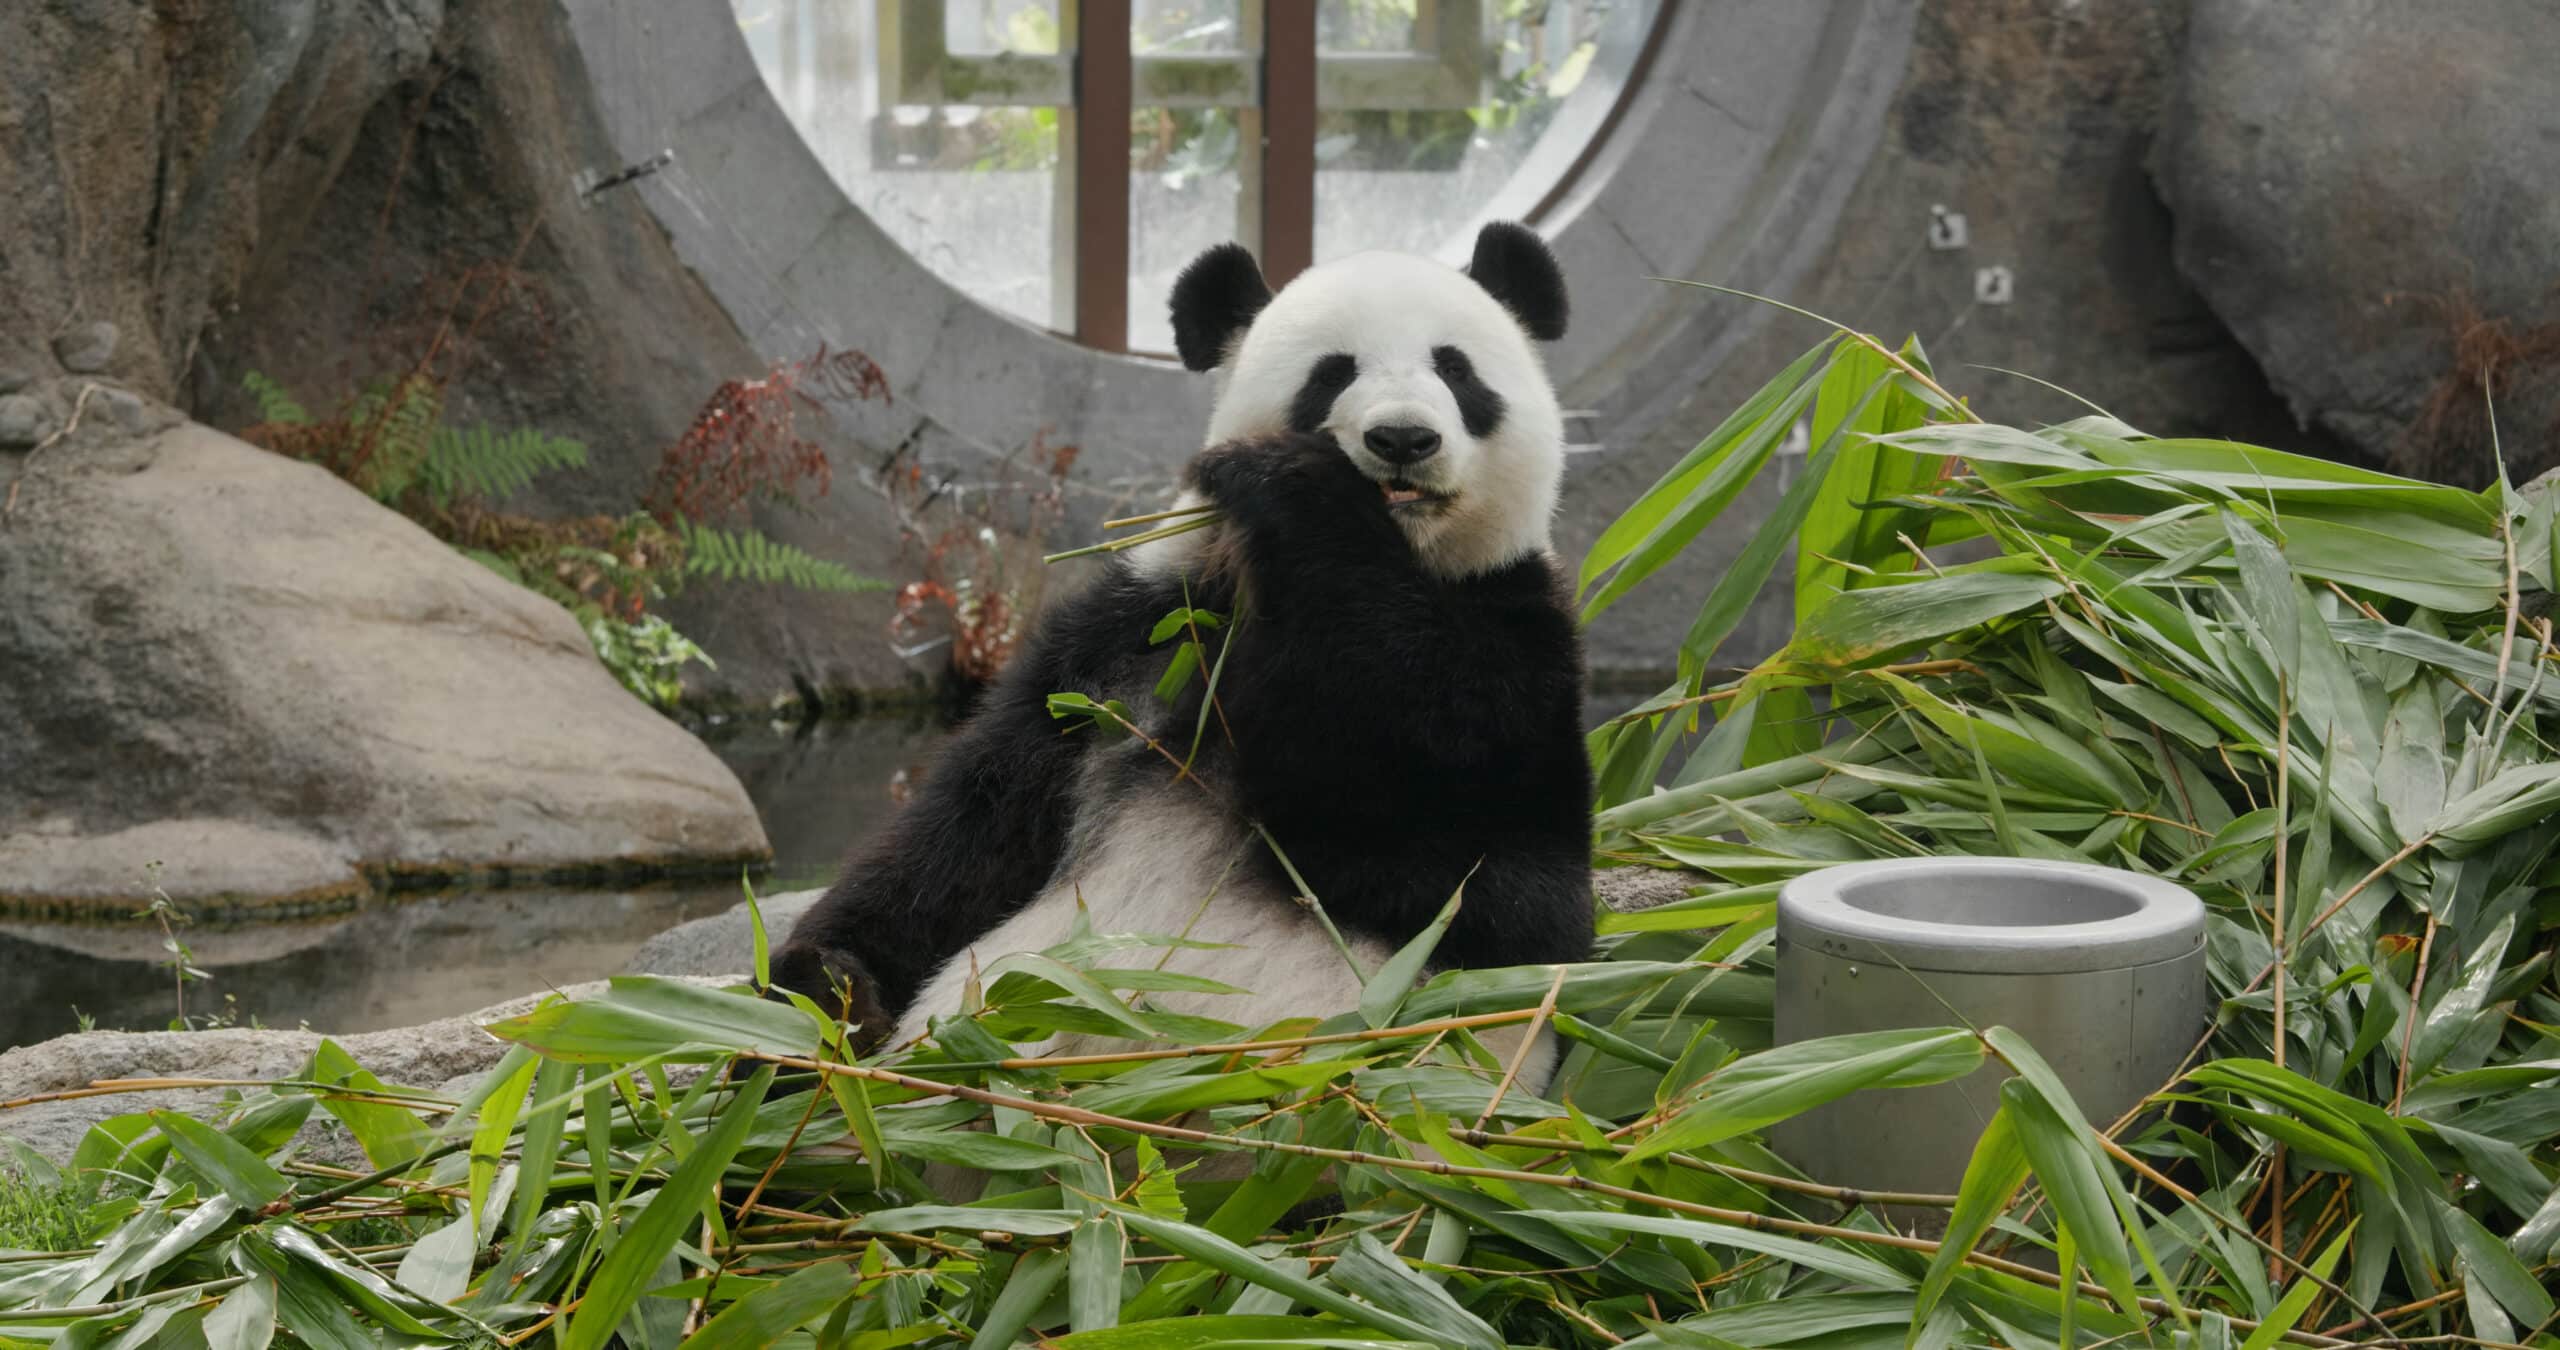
x,y
1947,229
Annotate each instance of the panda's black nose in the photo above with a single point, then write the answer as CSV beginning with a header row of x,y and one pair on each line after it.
x,y
1402,444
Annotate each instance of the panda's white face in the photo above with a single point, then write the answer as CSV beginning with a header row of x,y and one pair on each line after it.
x,y
1423,378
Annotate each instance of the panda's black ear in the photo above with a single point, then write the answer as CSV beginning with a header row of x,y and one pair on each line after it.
x,y
1215,298
1513,263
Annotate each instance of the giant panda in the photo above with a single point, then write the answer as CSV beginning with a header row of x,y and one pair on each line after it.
x,y
1401,710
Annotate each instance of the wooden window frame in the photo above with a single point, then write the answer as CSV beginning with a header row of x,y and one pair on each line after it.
x,y
1276,91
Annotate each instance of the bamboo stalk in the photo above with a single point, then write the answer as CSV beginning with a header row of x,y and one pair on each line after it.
x,y
1132,541
1408,1032
1844,1195
1152,517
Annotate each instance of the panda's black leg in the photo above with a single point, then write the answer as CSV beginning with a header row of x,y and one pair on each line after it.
x,y
982,834
989,823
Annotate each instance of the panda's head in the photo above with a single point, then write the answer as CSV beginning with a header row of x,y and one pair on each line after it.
x,y
1423,374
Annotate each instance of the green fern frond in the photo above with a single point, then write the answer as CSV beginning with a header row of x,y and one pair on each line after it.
x,y
751,555
403,436
479,462
274,404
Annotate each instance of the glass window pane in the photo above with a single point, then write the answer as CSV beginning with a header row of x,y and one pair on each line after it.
x,y
1366,25
1415,147
1186,177
1187,28
987,27
972,190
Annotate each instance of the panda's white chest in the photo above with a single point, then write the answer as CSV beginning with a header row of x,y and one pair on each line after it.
x,y
1169,861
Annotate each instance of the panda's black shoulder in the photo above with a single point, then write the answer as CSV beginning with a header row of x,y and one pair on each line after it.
x,y
1532,582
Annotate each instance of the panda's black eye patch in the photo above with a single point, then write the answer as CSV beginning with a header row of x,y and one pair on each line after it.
x,y
1325,382
1478,406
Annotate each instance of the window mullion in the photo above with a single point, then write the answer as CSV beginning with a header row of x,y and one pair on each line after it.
x,y
1288,139
1101,112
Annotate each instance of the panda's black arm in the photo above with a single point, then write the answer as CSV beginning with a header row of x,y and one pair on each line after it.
x,y
971,847
1397,730
984,831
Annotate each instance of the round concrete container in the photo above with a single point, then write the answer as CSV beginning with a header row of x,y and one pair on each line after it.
x,y
2101,970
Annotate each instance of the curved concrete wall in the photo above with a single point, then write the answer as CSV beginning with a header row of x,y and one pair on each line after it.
x,y
1731,164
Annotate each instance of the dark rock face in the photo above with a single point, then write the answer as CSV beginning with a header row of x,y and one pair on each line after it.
x,y
311,188
2369,195
465,211
154,148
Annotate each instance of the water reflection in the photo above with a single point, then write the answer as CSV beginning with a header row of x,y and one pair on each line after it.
x,y
820,790
396,965
418,959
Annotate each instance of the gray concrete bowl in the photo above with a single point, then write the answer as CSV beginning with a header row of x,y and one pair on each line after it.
x,y
2101,970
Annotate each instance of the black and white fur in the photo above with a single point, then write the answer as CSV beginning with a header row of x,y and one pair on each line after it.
x,y
1404,694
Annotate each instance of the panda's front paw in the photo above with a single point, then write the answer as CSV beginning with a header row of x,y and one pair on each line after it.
x,y
1293,475
838,982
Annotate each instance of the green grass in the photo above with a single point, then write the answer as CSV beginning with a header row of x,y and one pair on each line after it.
x,y
37,1217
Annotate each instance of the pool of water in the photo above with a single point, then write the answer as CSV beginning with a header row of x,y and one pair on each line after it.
x,y
437,954
821,790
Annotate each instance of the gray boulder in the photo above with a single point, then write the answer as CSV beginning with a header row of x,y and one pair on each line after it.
x,y
440,1057
723,943
2368,192
23,421
242,669
87,348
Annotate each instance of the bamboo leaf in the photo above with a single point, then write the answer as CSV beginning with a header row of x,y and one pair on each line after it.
x,y
438,1265
2075,1185
1857,627
2297,1297
2488,1264
1998,1167
1033,1278
1095,1259
496,1124
1696,488
632,1258
1387,988
554,1083
245,1319
937,1218
1219,1254
764,1317
389,1135
1762,1089
243,1176
1372,1272
1836,1261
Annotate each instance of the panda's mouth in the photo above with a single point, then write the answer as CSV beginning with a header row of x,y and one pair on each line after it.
x,y
1403,496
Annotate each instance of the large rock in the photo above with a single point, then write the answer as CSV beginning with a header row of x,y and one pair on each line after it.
x,y
239,668
441,1057
2368,193
723,943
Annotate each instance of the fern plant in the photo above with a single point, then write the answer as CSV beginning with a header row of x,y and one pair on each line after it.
x,y
276,407
751,555
481,462
392,442
392,436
